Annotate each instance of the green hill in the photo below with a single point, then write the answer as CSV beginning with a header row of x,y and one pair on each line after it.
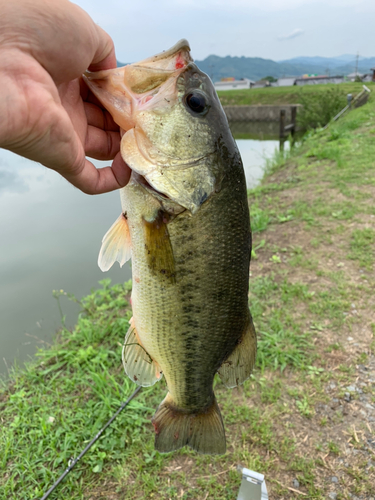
x,y
256,68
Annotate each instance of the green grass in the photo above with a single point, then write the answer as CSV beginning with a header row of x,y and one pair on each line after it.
x,y
283,95
281,339
260,219
54,408
319,108
362,246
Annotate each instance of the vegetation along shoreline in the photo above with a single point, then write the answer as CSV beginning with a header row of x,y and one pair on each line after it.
x,y
306,418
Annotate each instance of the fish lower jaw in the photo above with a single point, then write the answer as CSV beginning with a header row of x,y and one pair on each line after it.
x,y
141,180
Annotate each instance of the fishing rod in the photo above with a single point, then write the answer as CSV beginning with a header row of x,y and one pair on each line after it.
x,y
72,464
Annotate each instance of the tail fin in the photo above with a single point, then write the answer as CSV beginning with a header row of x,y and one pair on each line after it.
x,y
175,428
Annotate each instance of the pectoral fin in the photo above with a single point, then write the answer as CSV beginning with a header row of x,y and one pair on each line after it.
x,y
239,365
116,245
158,248
138,364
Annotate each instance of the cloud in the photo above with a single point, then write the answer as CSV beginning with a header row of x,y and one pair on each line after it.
x,y
293,34
12,181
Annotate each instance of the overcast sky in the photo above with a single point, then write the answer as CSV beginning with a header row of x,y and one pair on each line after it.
x,y
271,29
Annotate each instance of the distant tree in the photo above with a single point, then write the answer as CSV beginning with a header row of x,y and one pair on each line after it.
x,y
271,79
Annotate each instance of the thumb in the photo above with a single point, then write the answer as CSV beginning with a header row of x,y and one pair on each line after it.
x,y
104,57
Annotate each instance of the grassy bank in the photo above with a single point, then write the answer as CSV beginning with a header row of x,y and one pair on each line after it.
x,y
284,95
306,419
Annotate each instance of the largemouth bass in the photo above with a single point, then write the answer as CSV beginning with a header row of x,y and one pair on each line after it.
x,y
185,225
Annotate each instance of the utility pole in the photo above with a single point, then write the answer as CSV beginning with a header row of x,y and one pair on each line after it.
x,y
356,64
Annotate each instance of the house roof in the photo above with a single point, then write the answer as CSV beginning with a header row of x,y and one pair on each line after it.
x,y
319,77
234,82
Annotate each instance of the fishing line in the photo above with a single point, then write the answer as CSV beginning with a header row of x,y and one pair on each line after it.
x,y
72,464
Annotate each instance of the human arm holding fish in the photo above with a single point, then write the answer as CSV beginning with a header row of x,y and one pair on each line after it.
x,y
48,114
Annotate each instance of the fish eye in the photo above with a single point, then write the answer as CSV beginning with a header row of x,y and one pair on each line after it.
x,y
196,102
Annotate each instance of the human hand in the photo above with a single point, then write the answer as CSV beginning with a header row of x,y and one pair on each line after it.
x,y
47,112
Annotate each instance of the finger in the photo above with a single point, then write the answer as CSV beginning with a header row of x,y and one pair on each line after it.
x,y
101,144
92,180
121,170
99,117
104,57
86,94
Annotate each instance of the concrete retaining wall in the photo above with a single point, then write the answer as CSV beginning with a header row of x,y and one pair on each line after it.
x,y
258,113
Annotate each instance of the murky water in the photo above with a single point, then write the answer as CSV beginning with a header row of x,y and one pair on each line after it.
x,y
50,235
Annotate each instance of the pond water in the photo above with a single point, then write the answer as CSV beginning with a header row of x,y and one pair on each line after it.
x,y
50,239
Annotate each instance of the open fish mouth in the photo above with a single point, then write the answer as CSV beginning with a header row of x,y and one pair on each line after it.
x,y
141,86
140,179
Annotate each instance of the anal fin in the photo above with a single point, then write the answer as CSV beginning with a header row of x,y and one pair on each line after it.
x,y
138,364
238,366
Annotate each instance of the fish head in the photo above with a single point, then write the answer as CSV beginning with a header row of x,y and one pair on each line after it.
x,y
172,123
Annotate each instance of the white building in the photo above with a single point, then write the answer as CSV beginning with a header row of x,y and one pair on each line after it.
x,y
352,76
286,81
244,83
260,84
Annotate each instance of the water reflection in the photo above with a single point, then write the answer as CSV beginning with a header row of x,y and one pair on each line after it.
x,y
254,158
50,239
259,131
257,142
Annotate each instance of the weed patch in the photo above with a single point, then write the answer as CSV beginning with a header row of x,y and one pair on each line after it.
x,y
319,109
362,246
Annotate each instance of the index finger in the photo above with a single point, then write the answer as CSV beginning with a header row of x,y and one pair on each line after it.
x,y
92,180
